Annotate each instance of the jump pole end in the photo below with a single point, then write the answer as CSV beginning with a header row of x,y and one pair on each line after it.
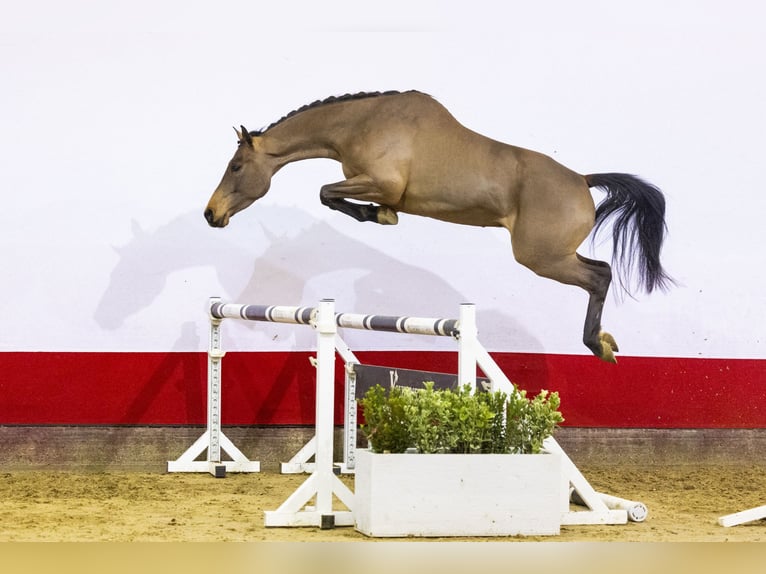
x,y
758,513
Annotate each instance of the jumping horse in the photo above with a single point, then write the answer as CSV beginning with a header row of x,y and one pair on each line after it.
x,y
404,152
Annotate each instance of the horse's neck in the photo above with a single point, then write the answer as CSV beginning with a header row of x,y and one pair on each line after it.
x,y
301,137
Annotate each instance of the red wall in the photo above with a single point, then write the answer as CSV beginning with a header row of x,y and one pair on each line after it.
x,y
278,388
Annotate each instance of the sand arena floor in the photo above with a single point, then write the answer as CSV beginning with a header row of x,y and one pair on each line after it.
x,y
66,506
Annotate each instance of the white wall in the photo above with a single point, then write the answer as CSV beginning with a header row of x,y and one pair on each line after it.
x,y
116,127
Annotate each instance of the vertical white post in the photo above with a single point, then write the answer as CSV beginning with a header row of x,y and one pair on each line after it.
x,y
466,353
349,420
214,356
322,484
349,406
325,404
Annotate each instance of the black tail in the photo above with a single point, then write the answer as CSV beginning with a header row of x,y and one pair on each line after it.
x,y
639,227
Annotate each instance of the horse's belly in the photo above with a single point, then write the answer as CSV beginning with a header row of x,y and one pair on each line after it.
x,y
464,207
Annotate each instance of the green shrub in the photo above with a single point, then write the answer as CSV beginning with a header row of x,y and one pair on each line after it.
x,y
385,421
530,422
458,421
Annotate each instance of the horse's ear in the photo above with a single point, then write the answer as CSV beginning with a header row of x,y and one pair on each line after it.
x,y
239,134
246,137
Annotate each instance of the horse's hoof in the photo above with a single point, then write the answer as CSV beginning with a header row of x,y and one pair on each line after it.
x,y
608,339
387,216
608,348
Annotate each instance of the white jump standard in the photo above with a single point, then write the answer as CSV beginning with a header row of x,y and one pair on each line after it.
x,y
322,483
213,440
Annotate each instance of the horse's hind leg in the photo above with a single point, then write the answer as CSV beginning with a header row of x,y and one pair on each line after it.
x,y
593,276
600,342
362,188
554,218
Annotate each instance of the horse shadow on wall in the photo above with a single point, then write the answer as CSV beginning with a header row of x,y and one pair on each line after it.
x,y
288,258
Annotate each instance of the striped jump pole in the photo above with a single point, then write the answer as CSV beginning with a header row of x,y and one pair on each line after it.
x,y
412,325
267,313
307,316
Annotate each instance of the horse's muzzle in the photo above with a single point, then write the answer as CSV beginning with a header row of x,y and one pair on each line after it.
x,y
212,221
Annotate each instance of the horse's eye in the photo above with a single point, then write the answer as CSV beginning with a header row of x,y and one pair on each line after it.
x,y
235,167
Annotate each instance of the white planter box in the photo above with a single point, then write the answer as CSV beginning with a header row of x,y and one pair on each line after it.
x,y
457,494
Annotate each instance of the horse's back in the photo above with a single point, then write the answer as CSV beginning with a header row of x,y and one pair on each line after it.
x,y
447,171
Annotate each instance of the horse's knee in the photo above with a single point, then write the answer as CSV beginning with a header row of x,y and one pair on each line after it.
x,y
324,196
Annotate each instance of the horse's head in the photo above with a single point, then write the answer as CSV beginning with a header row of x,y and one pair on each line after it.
x,y
247,178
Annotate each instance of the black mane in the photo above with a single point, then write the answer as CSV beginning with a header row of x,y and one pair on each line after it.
x,y
330,100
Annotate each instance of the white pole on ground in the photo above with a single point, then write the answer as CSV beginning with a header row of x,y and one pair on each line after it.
x,y
637,511
757,513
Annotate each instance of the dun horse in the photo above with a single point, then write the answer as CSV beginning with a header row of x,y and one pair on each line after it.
x,y
404,152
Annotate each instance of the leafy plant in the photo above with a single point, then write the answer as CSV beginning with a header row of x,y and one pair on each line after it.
x,y
385,420
458,421
426,417
468,421
497,440
530,422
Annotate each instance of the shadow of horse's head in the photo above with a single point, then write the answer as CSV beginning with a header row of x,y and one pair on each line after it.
x,y
150,257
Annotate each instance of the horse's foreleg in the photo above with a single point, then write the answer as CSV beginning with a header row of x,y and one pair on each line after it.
x,y
361,188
